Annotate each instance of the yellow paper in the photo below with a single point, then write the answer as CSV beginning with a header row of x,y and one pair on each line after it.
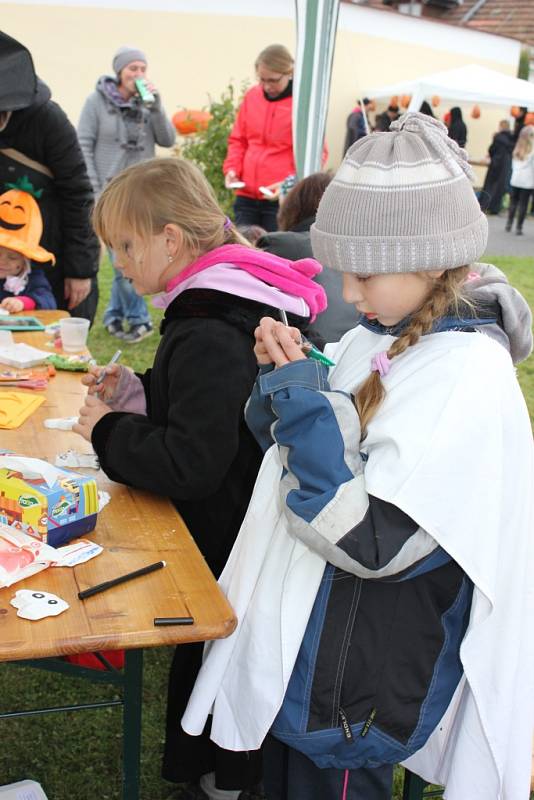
x,y
16,407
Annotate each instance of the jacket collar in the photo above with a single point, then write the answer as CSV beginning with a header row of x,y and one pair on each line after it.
x,y
211,303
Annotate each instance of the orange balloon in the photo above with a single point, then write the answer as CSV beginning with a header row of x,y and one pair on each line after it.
x,y
436,100
475,112
190,121
515,111
405,100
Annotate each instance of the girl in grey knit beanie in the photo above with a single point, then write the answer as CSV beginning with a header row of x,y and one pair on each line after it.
x,y
382,574
401,221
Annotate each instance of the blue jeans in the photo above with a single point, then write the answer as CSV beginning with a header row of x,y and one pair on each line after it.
x,y
124,302
290,775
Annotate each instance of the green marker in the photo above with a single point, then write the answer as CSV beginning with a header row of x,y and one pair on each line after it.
x,y
309,350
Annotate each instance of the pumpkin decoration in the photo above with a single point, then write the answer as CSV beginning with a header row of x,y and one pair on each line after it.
x,y
515,112
190,121
406,100
529,118
475,112
21,224
436,100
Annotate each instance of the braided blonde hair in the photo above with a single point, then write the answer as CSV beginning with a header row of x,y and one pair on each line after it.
x,y
446,293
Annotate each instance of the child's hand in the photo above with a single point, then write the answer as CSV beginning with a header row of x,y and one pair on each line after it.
x,y
277,343
90,413
105,390
12,304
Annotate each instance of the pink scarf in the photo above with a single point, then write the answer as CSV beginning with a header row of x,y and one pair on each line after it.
x,y
293,277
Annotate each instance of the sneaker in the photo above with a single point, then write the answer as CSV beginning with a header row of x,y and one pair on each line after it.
x,y
207,784
138,332
519,232
508,227
115,329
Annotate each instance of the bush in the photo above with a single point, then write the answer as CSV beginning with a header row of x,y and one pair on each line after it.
x,y
208,148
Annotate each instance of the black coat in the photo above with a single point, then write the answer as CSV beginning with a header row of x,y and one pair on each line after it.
x,y
497,180
43,133
457,127
194,446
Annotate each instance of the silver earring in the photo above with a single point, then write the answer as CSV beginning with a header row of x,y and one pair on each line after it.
x,y
170,259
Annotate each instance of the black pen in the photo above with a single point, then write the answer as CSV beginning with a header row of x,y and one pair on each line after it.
x,y
173,621
102,587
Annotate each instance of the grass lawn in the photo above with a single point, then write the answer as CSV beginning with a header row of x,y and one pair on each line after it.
x,y
76,756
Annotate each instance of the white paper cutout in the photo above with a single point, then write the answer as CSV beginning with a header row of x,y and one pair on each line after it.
x,y
34,604
72,554
61,423
103,499
71,458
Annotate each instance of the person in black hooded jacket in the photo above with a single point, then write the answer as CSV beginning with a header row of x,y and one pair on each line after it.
x,y
38,141
457,127
497,181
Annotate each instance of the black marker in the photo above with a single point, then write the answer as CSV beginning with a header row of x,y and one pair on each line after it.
x,y
102,587
173,621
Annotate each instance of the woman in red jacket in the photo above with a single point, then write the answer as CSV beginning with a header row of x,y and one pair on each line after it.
x,y
260,147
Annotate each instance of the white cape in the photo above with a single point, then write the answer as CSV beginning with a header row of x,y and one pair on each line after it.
x,y
451,446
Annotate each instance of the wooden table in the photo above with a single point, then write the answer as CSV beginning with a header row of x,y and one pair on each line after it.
x,y
136,528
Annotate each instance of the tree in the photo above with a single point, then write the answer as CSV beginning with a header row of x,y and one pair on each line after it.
x,y
207,148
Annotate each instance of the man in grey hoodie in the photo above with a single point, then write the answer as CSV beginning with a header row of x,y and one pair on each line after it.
x,y
117,129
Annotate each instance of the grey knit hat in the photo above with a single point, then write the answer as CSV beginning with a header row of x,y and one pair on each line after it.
x,y
401,201
125,55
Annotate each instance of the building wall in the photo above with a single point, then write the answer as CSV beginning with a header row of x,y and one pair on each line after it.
x,y
196,47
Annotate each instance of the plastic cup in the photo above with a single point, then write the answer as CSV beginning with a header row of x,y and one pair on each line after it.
x,y
74,332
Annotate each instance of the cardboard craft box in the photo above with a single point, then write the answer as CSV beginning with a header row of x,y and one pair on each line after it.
x,y
51,504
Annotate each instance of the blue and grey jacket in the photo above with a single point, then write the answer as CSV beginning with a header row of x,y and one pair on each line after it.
x,y
379,662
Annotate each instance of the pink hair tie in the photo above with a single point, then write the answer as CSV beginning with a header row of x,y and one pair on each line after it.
x,y
472,276
380,363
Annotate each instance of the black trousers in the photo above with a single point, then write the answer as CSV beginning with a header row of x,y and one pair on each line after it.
x,y
290,775
518,202
256,212
186,757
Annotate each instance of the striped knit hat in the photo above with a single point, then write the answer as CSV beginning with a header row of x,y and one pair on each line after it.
x,y
402,201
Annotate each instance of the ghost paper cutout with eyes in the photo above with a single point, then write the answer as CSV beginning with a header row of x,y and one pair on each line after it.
x,y
33,604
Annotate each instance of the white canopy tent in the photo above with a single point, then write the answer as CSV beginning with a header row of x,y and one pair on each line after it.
x,y
471,83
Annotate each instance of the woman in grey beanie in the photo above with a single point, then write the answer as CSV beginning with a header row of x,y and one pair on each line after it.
x,y
117,129
382,576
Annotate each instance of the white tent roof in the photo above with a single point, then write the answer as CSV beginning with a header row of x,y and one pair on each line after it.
x,y
471,83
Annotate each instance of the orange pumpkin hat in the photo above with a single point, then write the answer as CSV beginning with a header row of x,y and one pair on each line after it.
x,y
21,224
